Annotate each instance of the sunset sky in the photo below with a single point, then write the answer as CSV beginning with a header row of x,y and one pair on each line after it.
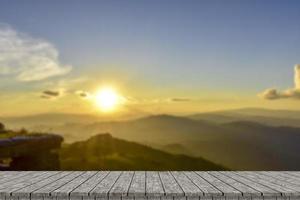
x,y
156,56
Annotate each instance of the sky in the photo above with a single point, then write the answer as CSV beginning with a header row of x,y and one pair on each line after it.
x,y
160,56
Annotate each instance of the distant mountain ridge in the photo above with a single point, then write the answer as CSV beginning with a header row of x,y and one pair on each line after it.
x,y
264,116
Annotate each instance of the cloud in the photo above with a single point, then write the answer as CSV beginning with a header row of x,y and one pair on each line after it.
x,y
83,94
50,94
27,58
180,99
297,76
273,94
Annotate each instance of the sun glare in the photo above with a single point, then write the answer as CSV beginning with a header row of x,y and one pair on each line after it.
x,y
107,99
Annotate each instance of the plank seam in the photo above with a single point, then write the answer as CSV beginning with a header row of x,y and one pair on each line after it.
x,y
178,183
34,183
48,184
225,182
108,193
82,183
127,193
261,194
89,192
193,183
259,183
209,183
64,183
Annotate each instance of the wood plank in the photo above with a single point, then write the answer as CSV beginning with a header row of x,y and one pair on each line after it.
x,y
223,187
45,191
206,187
138,185
154,186
286,173
121,187
282,177
266,191
279,182
85,188
170,185
281,189
6,174
188,187
102,189
244,189
29,181
26,191
21,179
66,189
14,176
294,173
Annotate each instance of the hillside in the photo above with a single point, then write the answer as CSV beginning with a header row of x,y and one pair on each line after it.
x,y
107,153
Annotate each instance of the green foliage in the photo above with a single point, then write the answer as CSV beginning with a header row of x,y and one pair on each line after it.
x,y
108,153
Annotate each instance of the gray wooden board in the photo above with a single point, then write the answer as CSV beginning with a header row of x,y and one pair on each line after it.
x,y
204,186
102,189
281,183
120,188
254,177
266,191
14,176
282,177
170,185
138,185
65,190
188,187
296,173
226,189
286,173
45,191
26,191
36,177
154,186
141,185
20,179
244,189
90,184
7,174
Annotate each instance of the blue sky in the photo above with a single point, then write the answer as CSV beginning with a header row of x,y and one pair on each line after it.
x,y
235,46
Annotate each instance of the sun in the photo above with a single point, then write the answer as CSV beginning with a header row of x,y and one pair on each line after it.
x,y
107,99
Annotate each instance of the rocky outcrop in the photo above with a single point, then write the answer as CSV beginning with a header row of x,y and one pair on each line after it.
x,y
31,152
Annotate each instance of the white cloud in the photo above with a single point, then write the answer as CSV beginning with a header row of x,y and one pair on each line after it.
x,y
297,76
273,94
27,58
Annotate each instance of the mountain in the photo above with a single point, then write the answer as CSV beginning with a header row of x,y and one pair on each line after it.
x,y
264,116
175,148
290,114
104,152
240,145
243,141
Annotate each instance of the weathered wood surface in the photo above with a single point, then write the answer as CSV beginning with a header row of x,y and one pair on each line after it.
x,y
138,185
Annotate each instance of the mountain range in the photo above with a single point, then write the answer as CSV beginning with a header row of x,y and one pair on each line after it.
x,y
239,139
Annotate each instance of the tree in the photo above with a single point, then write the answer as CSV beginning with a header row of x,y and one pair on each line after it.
x,y
2,128
23,131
